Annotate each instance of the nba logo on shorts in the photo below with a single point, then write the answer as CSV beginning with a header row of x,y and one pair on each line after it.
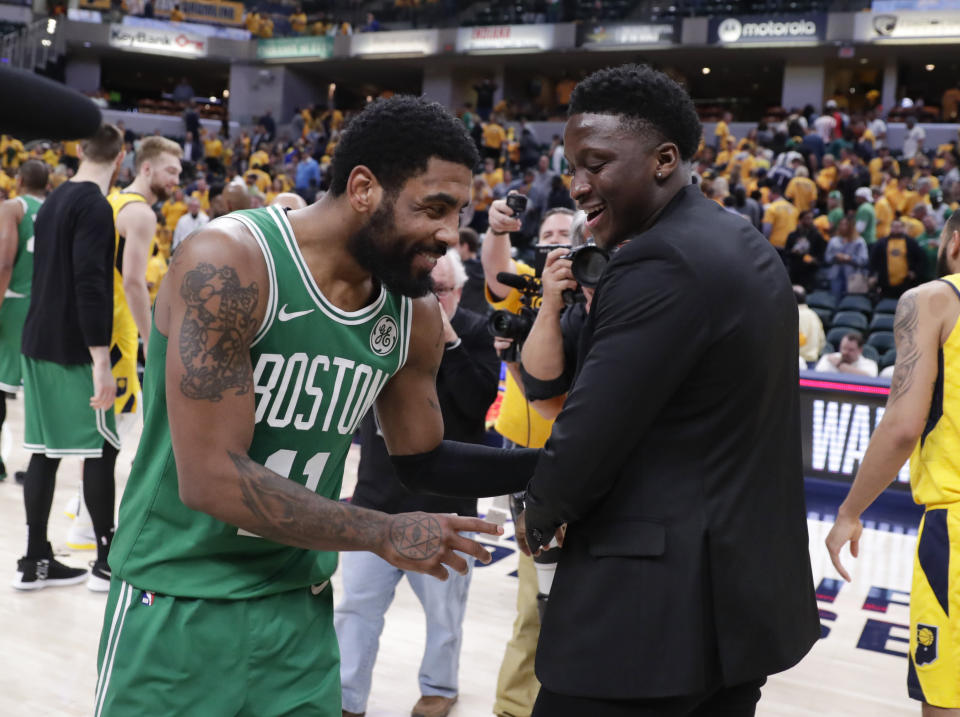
x,y
147,598
926,644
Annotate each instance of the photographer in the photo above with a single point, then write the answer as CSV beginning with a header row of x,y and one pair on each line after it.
x,y
519,425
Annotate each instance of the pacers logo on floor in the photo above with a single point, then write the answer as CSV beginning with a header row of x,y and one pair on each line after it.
x,y
926,644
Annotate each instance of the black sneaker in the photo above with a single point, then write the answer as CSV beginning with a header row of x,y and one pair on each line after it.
x,y
3,471
99,580
20,477
33,574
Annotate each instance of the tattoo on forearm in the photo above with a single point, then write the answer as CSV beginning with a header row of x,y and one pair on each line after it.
x,y
218,323
281,513
417,536
908,352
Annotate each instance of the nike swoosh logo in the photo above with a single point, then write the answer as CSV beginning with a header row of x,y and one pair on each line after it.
x,y
284,316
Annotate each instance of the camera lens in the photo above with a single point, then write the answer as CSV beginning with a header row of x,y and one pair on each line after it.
x,y
588,265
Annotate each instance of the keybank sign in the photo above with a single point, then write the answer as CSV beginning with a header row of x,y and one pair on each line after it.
x,y
756,29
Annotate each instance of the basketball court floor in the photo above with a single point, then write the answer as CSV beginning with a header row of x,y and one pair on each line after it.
x,y
49,638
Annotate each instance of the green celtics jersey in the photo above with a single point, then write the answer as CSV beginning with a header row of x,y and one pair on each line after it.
x,y
22,274
316,372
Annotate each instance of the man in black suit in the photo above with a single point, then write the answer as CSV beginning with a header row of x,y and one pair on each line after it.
x,y
684,578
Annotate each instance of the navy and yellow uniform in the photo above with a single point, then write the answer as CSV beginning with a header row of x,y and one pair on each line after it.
x,y
124,342
934,671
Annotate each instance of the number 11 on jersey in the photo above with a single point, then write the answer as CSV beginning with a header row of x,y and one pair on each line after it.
x,y
281,463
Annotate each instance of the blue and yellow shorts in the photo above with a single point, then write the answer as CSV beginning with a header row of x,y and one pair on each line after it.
x,y
934,670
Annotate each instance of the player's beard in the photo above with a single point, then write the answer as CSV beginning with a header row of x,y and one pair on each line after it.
x,y
159,191
377,248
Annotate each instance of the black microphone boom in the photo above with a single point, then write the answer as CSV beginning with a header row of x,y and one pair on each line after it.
x,y
35,107
514,281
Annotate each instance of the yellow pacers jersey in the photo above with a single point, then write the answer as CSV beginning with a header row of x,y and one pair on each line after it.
x,y
123,344
518,421
935,463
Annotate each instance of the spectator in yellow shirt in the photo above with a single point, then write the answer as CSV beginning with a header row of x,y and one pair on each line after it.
x,y
494,135
779,219
884,212
492,175
156,270
212,146
260,158
801,190
901,196
827,177
173,209
176,15
722,132
298,21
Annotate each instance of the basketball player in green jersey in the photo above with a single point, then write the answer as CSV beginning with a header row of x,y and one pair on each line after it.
x,y
273,335
16,272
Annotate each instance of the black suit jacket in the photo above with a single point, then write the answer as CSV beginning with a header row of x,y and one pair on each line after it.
x,y
677,463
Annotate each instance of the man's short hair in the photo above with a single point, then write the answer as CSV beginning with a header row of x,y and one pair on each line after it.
x,y
152,147
646,99
34,175
395,139
469,237
855,336
559,210
104,146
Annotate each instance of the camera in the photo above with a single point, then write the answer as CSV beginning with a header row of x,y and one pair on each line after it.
x,y
517,203
587,264
516,326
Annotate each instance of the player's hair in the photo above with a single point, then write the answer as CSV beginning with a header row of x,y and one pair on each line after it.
x,y
153,146
647,100
104,146
952,225
395,138
34,175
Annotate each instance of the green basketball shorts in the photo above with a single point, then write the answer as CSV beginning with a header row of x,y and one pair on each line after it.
x,y
262,657
58,419
13,312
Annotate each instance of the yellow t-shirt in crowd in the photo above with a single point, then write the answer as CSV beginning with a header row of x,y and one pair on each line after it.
x,y
213,148
204,198
156,270
913,226
803,192
172,211
783,216
827,178
884,213
493,135
259,158
518,422
493,178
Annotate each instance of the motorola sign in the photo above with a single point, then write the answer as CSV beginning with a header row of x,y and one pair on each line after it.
x,y
755,29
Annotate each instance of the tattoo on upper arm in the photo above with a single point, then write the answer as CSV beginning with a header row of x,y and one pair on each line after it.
x,y
908,351
217,326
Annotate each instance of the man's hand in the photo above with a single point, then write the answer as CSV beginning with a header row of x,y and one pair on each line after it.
x,y
502,219
557,277
104,386
835,359
520,528
501,344
425,542
845,529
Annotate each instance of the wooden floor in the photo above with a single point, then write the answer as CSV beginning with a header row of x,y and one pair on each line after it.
x,y
49,638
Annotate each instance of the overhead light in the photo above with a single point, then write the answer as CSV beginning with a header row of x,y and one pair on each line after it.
x,y
87,43
930,68
226,94
705,70
369,99
45,42
51,26
863,60
331,88
853,90
212,98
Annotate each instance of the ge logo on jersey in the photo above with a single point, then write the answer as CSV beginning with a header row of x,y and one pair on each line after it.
x,y
384,336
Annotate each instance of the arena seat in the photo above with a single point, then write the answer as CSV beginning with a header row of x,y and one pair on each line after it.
x,y
888,359
881,322
852,319
881,340
886,306
856,302
822,300
871,353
